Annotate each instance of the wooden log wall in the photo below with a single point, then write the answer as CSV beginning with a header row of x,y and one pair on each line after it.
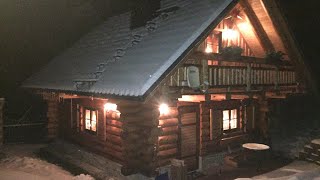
x,y
168,137
212,138
262,119
114,128
107,141
250,113
1,120
140,135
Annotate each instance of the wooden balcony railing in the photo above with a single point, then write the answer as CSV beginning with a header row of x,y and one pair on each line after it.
x,y
229,76
248,76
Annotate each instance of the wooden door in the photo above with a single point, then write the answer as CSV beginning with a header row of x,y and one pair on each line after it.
x,y
189,136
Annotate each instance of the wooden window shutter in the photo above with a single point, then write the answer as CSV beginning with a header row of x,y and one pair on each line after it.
x,y
78,117
250,117
74,115
81,119
215,123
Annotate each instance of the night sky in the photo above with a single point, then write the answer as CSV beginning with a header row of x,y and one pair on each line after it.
x,y
304,21
33,32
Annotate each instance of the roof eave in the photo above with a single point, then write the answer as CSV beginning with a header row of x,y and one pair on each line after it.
x,y
89,94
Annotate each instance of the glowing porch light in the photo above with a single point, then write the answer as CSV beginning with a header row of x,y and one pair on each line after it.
x,y
229,34
110,107
164,109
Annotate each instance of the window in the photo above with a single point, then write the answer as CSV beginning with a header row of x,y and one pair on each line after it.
x,y
91,120
230,120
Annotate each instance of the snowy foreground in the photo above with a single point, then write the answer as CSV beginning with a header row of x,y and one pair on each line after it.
x,y
18,162
30,168
297,170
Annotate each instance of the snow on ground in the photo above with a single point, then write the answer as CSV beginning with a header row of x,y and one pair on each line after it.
x,y
297,170
290,146
19,162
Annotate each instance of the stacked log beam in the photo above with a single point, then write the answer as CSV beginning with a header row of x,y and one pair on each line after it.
x,y
140,134
263,110
52,114
114,131
311,152
204,128
1,120
168,137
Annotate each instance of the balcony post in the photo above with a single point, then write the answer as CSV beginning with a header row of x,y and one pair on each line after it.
x,y
205,73
248,77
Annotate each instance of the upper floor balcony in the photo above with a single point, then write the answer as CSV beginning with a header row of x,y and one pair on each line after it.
x,y
245,73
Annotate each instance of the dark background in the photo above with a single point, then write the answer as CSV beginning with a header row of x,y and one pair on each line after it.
x,y
33,32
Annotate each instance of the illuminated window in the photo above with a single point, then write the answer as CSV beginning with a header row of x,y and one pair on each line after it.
x,y
230,120
91,120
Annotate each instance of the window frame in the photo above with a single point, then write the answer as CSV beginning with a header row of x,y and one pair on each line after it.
x,y
229,120
90,131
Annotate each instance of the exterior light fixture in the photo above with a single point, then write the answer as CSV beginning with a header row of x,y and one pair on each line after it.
x,y
110,107
164,109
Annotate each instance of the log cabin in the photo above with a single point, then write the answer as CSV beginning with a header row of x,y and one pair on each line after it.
x,y
172,80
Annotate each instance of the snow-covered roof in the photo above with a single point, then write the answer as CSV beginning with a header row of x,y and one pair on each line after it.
x,y
115,60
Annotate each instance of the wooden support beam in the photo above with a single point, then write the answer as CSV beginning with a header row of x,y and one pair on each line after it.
x,y
75,96
219,57
240,96
242,59
254,20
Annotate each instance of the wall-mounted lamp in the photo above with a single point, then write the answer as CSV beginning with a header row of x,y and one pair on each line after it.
x,y
110,107
164,109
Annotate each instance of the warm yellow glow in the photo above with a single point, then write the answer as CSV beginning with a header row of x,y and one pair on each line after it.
x,y
233,120
164,109
110,107
226,120
87,115
218,97
244,26
209,49
192,98
230,34
94,121
233,114
91,120
229,119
